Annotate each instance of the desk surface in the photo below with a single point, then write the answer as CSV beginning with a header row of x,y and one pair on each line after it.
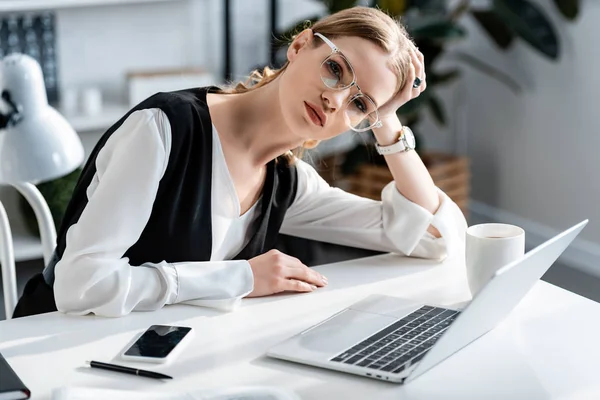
x,y
547,348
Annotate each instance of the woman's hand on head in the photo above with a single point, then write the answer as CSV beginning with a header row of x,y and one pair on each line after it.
x,y
276,272
408,92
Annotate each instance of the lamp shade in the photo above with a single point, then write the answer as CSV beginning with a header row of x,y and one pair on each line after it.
x,y
40,144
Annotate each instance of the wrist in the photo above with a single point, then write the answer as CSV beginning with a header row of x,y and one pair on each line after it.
x,y
388,133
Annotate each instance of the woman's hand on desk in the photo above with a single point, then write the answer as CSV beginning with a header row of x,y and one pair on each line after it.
x,y
276,272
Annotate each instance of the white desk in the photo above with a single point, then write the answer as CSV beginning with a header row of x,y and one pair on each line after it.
x,y
548,347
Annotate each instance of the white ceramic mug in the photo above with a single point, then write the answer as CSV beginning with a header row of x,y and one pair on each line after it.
x,y
489,247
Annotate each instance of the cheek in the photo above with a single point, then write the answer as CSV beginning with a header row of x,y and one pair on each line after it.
x,y
290,98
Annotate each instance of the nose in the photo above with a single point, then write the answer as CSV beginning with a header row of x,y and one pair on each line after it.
x,y
334,99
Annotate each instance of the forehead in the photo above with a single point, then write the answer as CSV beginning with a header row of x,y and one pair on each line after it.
x,y
370,63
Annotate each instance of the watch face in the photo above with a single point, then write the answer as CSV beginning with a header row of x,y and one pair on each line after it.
x,y
410,137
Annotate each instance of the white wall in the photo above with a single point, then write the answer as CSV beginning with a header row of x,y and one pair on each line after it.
x,y
535,155
100,45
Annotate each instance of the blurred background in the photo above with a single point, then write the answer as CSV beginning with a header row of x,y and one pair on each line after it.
x,y
507,126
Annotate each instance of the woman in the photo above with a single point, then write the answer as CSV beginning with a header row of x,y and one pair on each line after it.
x,y
183,198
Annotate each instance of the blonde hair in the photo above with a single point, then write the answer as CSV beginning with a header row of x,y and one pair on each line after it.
x,y
366,23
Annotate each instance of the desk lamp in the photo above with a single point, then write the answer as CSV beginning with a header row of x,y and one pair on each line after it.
x,y
36,144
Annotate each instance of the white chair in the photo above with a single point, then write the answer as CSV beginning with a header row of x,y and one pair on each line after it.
x,y
36,144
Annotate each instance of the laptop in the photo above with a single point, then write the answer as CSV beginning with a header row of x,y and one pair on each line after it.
x,y
396,340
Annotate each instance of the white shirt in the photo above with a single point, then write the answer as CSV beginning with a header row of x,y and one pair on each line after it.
x,y
94,277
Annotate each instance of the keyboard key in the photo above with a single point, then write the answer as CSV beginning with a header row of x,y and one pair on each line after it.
x,y
364,363
399,369
389,367
357,348
353,360
418,358
377,365
447,313
380,354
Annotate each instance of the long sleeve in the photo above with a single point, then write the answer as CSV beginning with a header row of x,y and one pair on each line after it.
x,y
395,224
94,277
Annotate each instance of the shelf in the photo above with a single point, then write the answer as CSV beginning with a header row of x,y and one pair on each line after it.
x,y
110,114
33,5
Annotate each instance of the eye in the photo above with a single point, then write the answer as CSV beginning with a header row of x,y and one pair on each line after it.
x,y
335,68
360,105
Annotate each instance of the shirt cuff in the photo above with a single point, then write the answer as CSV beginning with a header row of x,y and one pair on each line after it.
x,y
218,284
399,212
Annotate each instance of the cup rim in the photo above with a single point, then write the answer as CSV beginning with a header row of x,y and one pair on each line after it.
x,y
515,231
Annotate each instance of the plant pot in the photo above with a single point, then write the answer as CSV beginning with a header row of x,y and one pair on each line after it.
x,y
449,172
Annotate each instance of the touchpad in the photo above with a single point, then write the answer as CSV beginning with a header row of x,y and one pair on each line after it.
x,y
344,330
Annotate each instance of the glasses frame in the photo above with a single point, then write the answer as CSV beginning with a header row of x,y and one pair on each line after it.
x,y
336,50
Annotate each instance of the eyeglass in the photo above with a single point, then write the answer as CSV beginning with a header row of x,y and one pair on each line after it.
x,y
337,73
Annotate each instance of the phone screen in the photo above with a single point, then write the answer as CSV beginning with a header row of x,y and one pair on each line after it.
x,y
158,341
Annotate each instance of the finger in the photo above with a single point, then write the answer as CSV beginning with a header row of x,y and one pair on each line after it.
x,y
407,90
308,275
424,77
419,69
298,270
419,66
295,285
420,55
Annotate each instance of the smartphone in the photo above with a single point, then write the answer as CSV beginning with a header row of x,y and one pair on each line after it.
x,y
158,344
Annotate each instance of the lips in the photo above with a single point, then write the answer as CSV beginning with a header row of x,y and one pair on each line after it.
x,y
316,115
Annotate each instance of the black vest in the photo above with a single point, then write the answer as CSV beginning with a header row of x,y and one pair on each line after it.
x,y
180,226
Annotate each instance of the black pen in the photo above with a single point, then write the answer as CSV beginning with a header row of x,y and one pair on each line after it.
x,y
127,370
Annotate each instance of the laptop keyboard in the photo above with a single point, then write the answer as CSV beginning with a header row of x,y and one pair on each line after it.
x,y
401,344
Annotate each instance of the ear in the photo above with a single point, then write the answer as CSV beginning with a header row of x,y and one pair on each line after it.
x,y
301,41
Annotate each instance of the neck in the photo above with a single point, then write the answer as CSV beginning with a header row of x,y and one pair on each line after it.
x,y
252,122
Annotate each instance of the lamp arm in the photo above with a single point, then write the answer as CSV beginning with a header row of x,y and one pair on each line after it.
x,y
7,258
43,216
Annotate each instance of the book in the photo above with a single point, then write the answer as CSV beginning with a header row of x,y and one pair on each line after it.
x,y
11,386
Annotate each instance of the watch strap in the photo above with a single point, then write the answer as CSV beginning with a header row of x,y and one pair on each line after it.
x,y
397,147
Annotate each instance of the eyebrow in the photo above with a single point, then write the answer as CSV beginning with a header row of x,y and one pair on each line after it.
x,y
349,65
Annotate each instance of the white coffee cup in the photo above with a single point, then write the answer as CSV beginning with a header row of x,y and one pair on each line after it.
x,y
489,247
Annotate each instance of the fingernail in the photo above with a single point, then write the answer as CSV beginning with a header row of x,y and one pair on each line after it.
x,y
313,287
324,279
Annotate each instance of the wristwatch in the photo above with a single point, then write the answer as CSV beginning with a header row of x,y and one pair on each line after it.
x,y
406,142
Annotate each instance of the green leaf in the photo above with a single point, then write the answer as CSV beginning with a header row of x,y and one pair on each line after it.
x,y
431,51
414,106
568,8
435,78
439,31
529,22
394,8
460,9
495,27
437,109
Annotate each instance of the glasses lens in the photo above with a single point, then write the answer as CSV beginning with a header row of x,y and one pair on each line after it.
x,y
336,72
361,113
